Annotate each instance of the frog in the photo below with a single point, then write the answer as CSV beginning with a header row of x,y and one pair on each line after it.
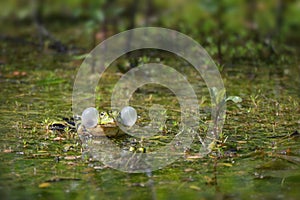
x,y
106,126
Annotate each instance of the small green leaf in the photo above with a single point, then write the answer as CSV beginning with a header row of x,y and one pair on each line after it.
x,y
235,99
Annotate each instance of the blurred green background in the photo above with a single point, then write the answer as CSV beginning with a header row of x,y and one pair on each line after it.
x,y
230,30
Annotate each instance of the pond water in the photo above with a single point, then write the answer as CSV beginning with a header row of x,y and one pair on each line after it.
x,y
260,158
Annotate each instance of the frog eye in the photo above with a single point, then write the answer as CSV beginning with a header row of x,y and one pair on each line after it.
x,y
102,114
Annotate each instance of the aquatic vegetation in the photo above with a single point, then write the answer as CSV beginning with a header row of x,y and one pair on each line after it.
x,y
256,156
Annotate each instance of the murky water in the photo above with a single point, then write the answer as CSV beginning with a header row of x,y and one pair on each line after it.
x,y
260,158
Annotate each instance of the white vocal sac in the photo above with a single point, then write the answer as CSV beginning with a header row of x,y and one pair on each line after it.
x,y
128,116
89,117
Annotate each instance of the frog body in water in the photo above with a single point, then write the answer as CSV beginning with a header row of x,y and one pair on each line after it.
x,y
106,126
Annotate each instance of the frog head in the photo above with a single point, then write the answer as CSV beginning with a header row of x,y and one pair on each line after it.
x,y
106,118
